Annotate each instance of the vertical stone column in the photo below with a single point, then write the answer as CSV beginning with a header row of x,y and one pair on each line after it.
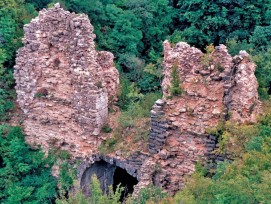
x,y
159,127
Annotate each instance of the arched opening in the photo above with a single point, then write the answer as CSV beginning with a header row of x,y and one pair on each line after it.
x,y
108,175
104,172
125,180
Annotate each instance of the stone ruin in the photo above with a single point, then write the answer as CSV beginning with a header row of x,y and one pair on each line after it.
x,y
64,87
214,87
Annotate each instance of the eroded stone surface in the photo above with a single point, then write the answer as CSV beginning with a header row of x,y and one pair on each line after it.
x,y
224,88
63,84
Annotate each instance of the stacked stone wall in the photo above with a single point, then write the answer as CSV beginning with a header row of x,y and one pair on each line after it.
x,y
63,83
215,88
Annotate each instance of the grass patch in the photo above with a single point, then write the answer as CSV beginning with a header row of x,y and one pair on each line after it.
x,y
132,126
106,128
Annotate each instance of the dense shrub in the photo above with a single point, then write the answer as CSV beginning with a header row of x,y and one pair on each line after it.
x,y
151,194
175,89
245,180
97,196
25,175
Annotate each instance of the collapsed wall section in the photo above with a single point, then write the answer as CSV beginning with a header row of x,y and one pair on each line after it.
x,y
215,87
63,83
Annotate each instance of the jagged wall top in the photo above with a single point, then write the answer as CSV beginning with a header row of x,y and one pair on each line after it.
x,y
225,84
215,87
63,83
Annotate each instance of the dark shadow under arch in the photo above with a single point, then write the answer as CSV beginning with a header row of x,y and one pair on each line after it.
x,y
125,180
108,175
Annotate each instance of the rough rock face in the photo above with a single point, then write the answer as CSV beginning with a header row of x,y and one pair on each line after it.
x,y
63,84
214,87
226,85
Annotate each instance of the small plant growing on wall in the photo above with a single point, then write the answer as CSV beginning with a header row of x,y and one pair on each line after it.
x,y
57,62
206,59
106,128
219,67
41,93
175,83
99,84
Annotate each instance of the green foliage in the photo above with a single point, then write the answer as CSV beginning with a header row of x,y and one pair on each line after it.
x,y
106,128
176,37
97,196
109,145
175,89
39,4
206,58
261,37
245,180
64,155
128,93
138,110
234,47
133,30
205,22
136,117
263,72
39,95
151,194
127,118
147,102
25,175
13,14
200,169
5,105
66,177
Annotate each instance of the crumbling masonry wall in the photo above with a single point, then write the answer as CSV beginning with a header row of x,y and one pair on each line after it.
x,y
64,87
63,84
214,87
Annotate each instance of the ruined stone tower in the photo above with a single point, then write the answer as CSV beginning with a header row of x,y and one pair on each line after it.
x,y
63,84
215,87
64,87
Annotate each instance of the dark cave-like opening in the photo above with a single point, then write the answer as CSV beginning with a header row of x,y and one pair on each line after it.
x,y
108,175
125,180
104,172
1,162
269,88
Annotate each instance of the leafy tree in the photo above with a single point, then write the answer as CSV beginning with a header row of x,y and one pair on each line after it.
x,y
39,4
245,180
133,30
13,14
97,196
148,195
205,22
156,22
25,173
263,72
261,37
